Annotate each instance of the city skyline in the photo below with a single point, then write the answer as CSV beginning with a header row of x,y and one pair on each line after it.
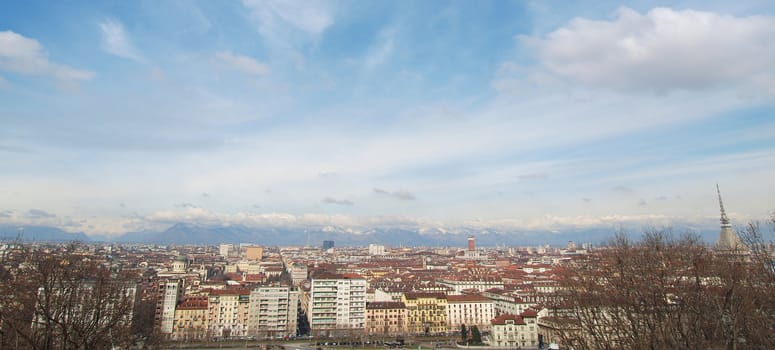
x,y
537,115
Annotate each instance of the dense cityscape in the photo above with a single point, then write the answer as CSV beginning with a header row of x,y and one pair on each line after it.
x,y
140,295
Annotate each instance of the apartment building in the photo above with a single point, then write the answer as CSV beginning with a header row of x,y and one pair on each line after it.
x,y
170,291
298,273
228,312
512,331
273,311
337,304
426,313
387,318
507,303
469,310
191,319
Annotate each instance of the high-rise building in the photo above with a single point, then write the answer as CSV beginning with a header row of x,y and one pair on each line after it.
x,y
169,292
471,243
273,311
337,305
728,240
328,245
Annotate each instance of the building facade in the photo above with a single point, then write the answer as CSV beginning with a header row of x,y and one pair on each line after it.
x,y
337,305
515,331
426,313
387,318
191,319
254,253
469,310
170,291
228,312
273,311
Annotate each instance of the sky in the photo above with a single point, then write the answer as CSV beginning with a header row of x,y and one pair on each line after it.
x,y
124,116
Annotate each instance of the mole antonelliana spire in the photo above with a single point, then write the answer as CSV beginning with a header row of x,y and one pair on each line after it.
x,y
727,238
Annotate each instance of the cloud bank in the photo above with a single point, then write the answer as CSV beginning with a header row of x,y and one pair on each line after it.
x,y
661,50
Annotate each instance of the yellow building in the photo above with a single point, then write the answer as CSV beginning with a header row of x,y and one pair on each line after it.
x,y
254,253
386,318
191,319
426,313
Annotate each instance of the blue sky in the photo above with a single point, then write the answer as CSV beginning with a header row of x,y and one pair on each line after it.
x,y
132,115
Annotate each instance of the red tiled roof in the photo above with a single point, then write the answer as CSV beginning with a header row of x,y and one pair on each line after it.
x,y
385,305
529,313
501,320
418,295
471,298
230,291
193,303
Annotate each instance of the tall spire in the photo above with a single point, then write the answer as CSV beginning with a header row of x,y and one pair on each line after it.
x,y
724,218
728,240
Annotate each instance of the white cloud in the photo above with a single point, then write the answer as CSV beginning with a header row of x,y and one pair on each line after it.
x,y
116,42
22,55
244,64
661,50
286,23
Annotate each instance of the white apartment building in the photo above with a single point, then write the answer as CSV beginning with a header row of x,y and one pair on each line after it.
x,y
170,291
515,331
337,305
469,310
376,249
273,311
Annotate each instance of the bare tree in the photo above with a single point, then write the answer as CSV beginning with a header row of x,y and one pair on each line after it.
x,y
662,292
64,298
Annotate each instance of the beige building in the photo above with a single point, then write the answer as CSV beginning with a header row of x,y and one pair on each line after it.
x,y
255,253
273,311
386,318
298,273
515,331
228,312
191,319
470,310
426,313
